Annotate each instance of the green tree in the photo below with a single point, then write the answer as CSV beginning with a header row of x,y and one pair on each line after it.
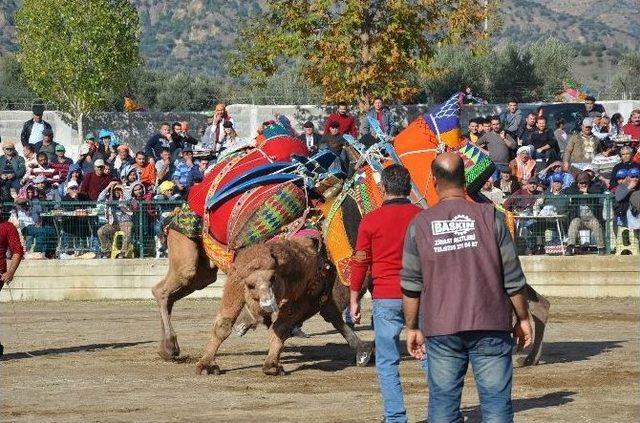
x,y
78,53
356,49
626,84
553,60
510,73
13,88
453,68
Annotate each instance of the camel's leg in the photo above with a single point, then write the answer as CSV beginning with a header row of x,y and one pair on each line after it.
x,y
231,305
188,271
539,309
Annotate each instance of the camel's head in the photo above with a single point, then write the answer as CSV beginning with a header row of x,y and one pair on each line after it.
x,y
258,278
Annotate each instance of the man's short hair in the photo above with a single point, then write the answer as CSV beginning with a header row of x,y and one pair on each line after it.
x,y
590,98
495,118
512,100
42,154
165,124
176,124
532,114
396,180
342,103
541,118
453,177
140,153
30,147
167,149
308,124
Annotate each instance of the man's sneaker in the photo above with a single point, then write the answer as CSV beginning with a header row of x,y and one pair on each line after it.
x,y
570,250
66,256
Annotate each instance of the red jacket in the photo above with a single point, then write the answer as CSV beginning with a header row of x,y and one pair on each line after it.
x,y
347,124
633,130
9,240
379,247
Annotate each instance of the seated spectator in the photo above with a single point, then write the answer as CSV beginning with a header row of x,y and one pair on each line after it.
x,y
556,196
29,154
203,166
155,144
93,183
12,170
72,192
229,137
40,239
604,162
523,166
555,169
108,142
507,183
627,185
186,173
617,122
600,128
544,142
44,189
166,193
626,163
47,145
97,150
582,147
497,143
75,175
165,166
118,214
310,137
121,159
42,169
146,170
334,142
61,163
584,211
525,202
561,135
85,159
129,177
491,192
633,127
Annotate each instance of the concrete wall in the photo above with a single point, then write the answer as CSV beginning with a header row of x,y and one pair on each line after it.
x,y
54,280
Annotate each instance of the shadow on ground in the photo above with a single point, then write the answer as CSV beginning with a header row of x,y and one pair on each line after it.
x,y
67,350
570,351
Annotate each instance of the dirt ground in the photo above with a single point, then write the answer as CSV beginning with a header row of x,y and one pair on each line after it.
x,y
97,362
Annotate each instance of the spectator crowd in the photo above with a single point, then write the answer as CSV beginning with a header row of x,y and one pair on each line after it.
x,y
534,164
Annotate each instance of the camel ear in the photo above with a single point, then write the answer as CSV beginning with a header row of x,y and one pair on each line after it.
x,y
307,243
279,254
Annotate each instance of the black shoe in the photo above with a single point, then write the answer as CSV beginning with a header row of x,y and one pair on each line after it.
x,y
601,251
528,252
570,250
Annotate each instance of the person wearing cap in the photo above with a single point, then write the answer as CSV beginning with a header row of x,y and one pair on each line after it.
x,y
556,194
94,182
555,170
47,144
627,185
118,214
383,115
45,190
73,194
523,166
165,193
12,170
507,183
310,137
584,211
524,202
346,123
155,143
32,129
582,147
632,128
61,162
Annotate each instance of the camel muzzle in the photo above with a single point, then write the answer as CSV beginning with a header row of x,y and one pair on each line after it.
x,y
268,302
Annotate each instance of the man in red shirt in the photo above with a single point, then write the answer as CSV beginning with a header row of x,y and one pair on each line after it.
x,y
346,123
95,182
9,240
633,127
379,248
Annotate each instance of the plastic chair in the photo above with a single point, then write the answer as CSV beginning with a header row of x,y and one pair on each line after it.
x,y
116,246
627,242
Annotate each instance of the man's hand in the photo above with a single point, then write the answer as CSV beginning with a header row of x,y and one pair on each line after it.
x,y
522,334
354,309
6,277
415,343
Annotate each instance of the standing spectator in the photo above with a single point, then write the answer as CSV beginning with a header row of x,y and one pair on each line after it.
x,y
474,132
467,315
626,154
334,142
528,129
120,159
93,183
155,144
582,147
498,143
492,192
600,128
229,139
633,127
512,119
146,170
186,173
42,169
214,132
12,170
346,123
85,159
617,122
379,250
118,214
180,136
310,137
523,166
561,135
47,145
604,162
208,141
164,167
555,170
507,183
382,115
584,212
544,142
33,128
590,106
61,163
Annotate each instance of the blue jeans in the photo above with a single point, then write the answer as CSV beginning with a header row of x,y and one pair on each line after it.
x,y
448,357
388,321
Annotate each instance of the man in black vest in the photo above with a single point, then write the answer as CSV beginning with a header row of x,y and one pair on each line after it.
x,y
461,270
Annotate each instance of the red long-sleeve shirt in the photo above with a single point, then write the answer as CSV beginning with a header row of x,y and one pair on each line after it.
x,y
9,240
347,124
379,247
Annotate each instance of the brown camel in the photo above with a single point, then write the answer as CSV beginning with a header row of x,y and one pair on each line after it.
x,y
283,282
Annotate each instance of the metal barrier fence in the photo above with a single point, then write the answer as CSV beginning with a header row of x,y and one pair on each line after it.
x,y
544,224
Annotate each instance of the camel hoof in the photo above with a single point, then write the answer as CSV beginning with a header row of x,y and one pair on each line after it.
x,y
276,370
169,349
204,370
363,355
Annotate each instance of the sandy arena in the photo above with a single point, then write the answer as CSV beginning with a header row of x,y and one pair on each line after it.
x,y
97,362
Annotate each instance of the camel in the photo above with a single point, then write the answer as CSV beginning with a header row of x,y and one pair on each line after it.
x,y
283,283
190,270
